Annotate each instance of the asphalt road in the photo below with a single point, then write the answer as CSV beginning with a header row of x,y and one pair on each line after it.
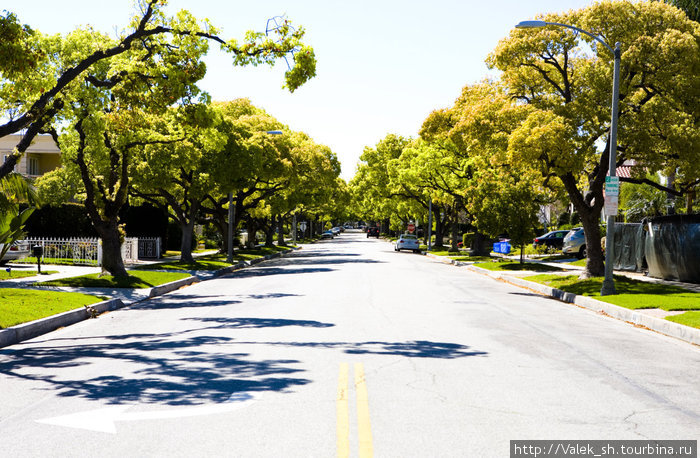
x,y
345,348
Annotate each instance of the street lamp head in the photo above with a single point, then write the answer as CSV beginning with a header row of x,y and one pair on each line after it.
x,y
530,24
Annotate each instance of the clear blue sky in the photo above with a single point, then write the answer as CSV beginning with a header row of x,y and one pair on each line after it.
x,y
383,65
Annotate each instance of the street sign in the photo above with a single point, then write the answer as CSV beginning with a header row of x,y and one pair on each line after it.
x,y
302,226
611,203
411,228
612,186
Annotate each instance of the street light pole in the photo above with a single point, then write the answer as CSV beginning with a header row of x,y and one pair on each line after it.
x,y
608,287
608,283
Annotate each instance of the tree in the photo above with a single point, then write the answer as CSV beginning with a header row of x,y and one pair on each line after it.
x,y
569,93
370,185
111,111
689,7
176,175
40,72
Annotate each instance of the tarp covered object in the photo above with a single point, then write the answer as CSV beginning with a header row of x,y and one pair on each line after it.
x,y
629,247
672,247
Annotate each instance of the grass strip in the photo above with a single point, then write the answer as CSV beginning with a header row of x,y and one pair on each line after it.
x,y
136,279
205,263
471,258
632,294
19,306
511,266
5,275
687,318
54,261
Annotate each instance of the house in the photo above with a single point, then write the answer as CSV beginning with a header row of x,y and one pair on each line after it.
x,y
41,157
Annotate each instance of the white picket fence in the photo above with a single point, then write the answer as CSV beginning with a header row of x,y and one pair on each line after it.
x,y
88,251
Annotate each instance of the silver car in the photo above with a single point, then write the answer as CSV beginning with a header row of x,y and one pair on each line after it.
x,y
408,242
18,250
575,243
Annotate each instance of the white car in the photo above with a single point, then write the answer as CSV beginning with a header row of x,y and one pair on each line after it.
x,y
408,242
18,250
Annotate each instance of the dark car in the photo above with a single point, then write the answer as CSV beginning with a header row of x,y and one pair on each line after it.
x,y
554,239
373,232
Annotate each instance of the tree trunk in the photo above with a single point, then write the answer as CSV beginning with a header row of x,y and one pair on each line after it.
x,y
112,261
270,233
479,246
438,231
280,231
186,241
252,230
595,263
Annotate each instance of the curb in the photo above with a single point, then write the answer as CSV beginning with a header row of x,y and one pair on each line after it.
x,y
31,329
24,331
665,327
172,286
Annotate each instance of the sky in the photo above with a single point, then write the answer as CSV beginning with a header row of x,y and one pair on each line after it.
x,y
383,65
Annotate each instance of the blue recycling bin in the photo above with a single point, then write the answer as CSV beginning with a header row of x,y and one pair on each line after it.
x,y
502,247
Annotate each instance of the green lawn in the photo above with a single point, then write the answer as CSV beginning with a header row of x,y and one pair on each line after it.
x,y
136,279
45,260
22,305
516,265
632,294
214,261
555,257
471,258
204,263
5,275
687,318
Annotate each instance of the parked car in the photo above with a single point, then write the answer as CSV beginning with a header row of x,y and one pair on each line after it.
x,y
407,242
554,239
575,243
18,250
327,235
335,230
373,232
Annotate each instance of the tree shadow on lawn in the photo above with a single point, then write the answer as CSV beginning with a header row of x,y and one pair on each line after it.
x,y
151,369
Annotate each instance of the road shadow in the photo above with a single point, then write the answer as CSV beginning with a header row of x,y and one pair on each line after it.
x,y
316,254
323,261
268,271
270,296
255,323
409,349
181,301
163,369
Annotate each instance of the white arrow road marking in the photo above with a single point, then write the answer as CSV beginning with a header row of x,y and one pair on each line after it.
x,y
103,420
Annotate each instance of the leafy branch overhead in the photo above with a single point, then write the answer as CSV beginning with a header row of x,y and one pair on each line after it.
x,y
41,72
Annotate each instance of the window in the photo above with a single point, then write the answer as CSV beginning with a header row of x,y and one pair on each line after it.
x,y
33,166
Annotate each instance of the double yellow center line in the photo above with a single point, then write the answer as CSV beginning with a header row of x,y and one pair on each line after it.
x,y
364,431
